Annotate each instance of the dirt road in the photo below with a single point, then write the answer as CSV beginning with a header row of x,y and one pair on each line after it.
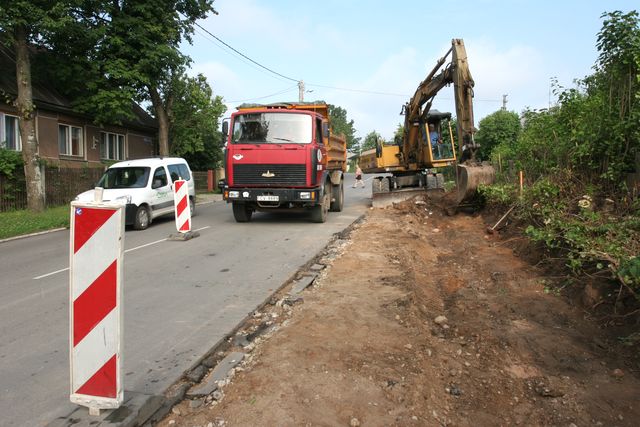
x,y
423,319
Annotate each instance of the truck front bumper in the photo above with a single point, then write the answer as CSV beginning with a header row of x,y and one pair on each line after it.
x,y
272,197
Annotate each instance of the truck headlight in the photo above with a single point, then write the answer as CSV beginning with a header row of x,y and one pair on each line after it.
x,y
234,194
305,195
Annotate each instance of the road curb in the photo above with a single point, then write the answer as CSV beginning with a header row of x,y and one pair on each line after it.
x,y
24,236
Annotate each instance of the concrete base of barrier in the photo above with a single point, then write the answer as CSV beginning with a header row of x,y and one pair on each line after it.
x,y
135,410
184,236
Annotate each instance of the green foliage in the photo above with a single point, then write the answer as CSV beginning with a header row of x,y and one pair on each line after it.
x,y
498,195
501,127
398,136
341,125
194,123
630,271
594,131
9,161
370,141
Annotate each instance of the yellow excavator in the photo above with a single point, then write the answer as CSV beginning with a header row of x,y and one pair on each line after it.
x,y
412,165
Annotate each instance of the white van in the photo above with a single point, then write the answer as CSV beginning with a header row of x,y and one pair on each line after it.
x,y
146,187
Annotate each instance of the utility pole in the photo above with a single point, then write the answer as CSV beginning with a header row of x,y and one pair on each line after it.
x,y
301,91
504,102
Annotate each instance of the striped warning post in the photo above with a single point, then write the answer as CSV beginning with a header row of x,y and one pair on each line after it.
x,y
181,202
96,252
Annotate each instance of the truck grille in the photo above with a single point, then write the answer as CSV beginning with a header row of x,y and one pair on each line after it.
x,y
283,175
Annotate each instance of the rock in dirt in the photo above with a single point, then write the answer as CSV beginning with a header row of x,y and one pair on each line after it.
x,y
354,422
440,320
617,373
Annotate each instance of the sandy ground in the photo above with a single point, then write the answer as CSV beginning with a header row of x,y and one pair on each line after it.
x,y
423,319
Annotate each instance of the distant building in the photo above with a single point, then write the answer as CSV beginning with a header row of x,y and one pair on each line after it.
x,y
67,138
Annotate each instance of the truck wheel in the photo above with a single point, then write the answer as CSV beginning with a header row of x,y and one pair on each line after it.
x,y
338,196
242,212
142,218
380,185
319,212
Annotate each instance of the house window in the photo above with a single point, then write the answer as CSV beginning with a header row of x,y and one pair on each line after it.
x,y
9,133
112,146
70,140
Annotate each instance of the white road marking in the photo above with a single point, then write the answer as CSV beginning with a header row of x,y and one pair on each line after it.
x,y
126,251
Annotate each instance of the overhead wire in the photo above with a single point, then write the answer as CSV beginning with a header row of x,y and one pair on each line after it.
x,y
266,96
245,56
252,61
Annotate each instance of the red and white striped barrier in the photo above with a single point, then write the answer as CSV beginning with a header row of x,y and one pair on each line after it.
x,y
181,203
96,252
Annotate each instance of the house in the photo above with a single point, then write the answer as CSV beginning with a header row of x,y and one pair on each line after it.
x,y
68,139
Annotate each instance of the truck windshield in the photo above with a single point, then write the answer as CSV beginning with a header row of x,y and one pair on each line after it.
x,y
129,177
272,128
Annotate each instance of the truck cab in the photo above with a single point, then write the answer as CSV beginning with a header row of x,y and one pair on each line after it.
x,y
282,156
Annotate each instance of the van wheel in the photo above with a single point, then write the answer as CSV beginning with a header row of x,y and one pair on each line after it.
x,y
242,212
192,206
142,219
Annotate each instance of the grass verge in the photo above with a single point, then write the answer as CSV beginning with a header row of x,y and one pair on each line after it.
x,y
17,223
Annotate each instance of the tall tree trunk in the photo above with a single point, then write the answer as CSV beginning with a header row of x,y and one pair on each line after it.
x,y
162,114
27,122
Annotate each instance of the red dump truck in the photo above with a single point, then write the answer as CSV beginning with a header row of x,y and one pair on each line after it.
x,y
283,156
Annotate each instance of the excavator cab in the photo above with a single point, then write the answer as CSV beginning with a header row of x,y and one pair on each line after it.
x,y
437,139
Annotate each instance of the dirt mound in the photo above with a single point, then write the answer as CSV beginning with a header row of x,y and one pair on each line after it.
x,y
424,319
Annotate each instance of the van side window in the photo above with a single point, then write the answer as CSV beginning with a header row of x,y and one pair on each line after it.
x,y
184,171
159,178
175,172
179,170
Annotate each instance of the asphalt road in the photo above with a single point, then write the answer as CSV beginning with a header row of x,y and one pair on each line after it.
x,y
180,298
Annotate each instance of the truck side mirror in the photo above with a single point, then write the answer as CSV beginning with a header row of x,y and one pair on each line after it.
x,y
325,130
225,130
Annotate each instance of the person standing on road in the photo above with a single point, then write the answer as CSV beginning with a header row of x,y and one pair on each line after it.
x,y
358,177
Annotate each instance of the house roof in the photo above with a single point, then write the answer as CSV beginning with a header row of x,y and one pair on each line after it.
x,y
46,97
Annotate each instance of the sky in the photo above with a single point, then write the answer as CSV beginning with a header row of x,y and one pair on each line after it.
x,y
368,57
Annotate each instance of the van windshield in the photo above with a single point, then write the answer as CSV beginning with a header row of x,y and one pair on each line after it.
x,y
272,128
128,177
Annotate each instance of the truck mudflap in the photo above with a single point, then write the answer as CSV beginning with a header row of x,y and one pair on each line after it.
x,y
274,197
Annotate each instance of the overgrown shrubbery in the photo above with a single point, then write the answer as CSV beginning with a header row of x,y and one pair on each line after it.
x,y
10,160
576,157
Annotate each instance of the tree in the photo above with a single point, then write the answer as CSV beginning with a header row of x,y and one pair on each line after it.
x,y
370,141
398,136
145,36
500,127
26,23
194,122
341,125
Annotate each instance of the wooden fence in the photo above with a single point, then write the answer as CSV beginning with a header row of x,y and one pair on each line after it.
x,y
61,186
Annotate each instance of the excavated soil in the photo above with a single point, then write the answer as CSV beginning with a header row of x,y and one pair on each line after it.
x,y
424,319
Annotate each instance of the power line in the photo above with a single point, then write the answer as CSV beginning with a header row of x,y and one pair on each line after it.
x,y
243,55
266,96
358,90
228,46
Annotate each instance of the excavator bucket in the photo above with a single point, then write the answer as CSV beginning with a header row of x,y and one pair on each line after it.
x,y
470,177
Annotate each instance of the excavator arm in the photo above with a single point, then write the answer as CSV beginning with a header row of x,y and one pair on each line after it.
x,y
457,73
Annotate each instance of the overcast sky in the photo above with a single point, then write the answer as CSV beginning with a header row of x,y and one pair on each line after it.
x,y
345,51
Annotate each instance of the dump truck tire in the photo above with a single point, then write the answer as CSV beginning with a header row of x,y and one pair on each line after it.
x,y
338,197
